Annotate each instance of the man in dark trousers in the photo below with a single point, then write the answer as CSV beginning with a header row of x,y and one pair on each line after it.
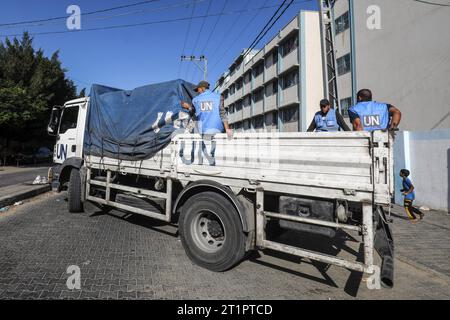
x,y
368,115
327,119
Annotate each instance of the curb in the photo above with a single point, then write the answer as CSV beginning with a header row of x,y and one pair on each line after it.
x,y
30,192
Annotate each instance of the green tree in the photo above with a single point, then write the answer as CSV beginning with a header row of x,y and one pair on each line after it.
x,y
30,85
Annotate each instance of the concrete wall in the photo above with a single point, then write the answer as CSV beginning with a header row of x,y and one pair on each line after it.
x,y
407,61
427,155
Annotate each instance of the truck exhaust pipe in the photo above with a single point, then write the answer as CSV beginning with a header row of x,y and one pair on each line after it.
x,y
384,244
387,272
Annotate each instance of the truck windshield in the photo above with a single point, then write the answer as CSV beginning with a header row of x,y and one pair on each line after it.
x,y
69,119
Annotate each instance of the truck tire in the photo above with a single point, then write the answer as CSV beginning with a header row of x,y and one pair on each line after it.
x,y
74,192
211,232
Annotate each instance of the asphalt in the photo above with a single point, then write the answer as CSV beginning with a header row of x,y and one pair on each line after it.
x,y
16,184
13,176
126,256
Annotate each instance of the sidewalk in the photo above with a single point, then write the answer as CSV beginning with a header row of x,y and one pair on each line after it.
x,y
424,244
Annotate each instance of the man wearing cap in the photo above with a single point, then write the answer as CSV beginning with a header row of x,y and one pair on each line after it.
x,y
327,119
209,110
368,115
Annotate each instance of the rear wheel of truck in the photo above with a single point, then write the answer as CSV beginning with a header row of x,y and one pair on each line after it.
x,y
74,192
211,231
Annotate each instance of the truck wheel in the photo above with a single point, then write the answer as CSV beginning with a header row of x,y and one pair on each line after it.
x,y
74,192
211,231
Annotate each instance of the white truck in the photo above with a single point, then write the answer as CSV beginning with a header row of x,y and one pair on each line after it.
x,y
260,184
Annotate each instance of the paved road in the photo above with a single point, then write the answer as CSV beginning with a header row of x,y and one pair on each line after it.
x,y
132,257
26,175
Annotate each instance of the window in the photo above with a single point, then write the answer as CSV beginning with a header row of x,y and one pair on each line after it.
x,y
290,79
271,119
290,114
239,84
247,101
258,122
289,45
343,64
232,89
272,58
225,94
238,125
258,95
247,77
247,124
231,109
342,23
258,69
345,104
69,119
238,106
272,88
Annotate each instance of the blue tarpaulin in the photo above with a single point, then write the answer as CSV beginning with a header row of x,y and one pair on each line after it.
x,y
134,124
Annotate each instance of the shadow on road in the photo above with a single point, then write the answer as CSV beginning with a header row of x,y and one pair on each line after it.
x,y
321,244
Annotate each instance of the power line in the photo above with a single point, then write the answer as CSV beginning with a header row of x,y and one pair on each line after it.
x,y
83,14
187,35
176,5
268,22
138,24
200,32
215,25
256,41
239,35
228,32
289,4
433,3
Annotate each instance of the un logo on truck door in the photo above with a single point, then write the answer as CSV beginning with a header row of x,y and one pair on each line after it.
x,y
206,106
372,120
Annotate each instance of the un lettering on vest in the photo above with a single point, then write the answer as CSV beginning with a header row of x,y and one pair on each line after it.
x,y
372,120
206,105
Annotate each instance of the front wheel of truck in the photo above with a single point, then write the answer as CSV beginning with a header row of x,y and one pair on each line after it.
x,y
74,192
211,231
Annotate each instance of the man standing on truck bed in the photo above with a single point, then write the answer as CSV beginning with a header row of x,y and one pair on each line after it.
x,y
327,119
210,111
368,115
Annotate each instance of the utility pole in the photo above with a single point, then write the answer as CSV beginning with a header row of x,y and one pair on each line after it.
x,y
194,59
328,53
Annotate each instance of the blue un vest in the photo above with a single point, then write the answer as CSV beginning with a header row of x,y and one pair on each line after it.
x,y
208,114
373,115
326,123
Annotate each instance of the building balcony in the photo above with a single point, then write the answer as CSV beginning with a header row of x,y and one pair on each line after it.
x,y
238,94
237,116
231,117
248,88
290,28
289,96
258,108
289,61
270,103
258,81
246,112
271,72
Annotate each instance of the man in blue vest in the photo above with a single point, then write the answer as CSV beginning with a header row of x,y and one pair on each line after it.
x,y
368,115
327,119
210,111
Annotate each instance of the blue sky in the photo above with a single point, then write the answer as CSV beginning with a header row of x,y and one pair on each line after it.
x,y
134,56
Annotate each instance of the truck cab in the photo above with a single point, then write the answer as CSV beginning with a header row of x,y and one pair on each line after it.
x,y
67,123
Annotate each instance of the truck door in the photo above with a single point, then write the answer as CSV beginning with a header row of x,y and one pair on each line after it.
x,y
66,141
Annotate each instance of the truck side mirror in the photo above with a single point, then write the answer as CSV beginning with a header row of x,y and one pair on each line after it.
x,y
52,128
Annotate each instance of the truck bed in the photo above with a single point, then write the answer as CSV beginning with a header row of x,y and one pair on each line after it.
x,y
354,166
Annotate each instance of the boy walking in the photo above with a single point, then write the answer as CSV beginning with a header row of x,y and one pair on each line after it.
x,y
408,192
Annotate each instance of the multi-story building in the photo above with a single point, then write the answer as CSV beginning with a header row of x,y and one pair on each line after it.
x,y
277,88
401,51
